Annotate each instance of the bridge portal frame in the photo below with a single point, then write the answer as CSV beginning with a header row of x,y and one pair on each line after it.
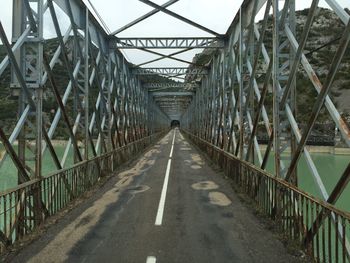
x,y
230,105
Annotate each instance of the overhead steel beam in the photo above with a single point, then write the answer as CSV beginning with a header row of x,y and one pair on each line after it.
x,y
171,101
173,106
169,71
174,111
141,18
167,99
171,56
164,94
167,104
179,85
162,56
183,19
97,32
168,42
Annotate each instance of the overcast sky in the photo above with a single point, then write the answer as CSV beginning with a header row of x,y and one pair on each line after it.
x,y
214,14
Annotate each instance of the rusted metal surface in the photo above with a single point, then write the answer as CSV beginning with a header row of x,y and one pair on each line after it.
x,y
321,99
345,127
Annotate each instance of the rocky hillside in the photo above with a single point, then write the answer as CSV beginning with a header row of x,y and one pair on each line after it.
x,y
322,43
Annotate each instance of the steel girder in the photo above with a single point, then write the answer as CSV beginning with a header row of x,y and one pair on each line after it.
x,y
179,17
171,94
181,85
230,107
169,71
167,43
145,16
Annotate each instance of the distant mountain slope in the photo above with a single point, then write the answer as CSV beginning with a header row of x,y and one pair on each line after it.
x,y
321,46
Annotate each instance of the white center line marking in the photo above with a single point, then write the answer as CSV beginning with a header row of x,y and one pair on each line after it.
x,y
172,147
159,217
151,259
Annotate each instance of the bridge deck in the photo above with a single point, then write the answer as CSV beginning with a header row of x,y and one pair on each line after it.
x,y
203,219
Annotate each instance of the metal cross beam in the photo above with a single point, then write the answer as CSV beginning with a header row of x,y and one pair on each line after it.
x,y
141,18
162,56
169,71
173,106
174,109
172,94
170,56
179,85
171,101
166,11
167,43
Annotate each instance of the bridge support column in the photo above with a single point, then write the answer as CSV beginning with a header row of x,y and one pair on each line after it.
x,y
26,82
283,58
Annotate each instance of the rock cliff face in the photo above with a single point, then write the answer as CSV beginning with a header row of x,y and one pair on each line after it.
x,y
320,48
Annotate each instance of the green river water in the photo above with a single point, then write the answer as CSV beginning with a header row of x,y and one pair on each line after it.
x,y
8,172
330,168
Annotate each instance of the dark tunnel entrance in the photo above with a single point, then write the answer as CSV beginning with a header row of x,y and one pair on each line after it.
x,y
175,124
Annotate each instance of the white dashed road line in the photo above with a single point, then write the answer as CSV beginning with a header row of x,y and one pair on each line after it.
x,y
159,218
151,259
172,146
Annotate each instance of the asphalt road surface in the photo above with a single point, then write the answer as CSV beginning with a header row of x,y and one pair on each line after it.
x,y
171,206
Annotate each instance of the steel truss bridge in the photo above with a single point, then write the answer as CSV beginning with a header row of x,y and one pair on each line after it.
x,y
107,114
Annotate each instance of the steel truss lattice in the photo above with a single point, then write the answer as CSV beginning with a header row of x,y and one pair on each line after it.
x,y
231,107
169,85
169,71
168,43
102,106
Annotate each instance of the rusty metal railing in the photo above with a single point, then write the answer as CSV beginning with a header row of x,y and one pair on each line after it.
x,y
56,191
319,228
